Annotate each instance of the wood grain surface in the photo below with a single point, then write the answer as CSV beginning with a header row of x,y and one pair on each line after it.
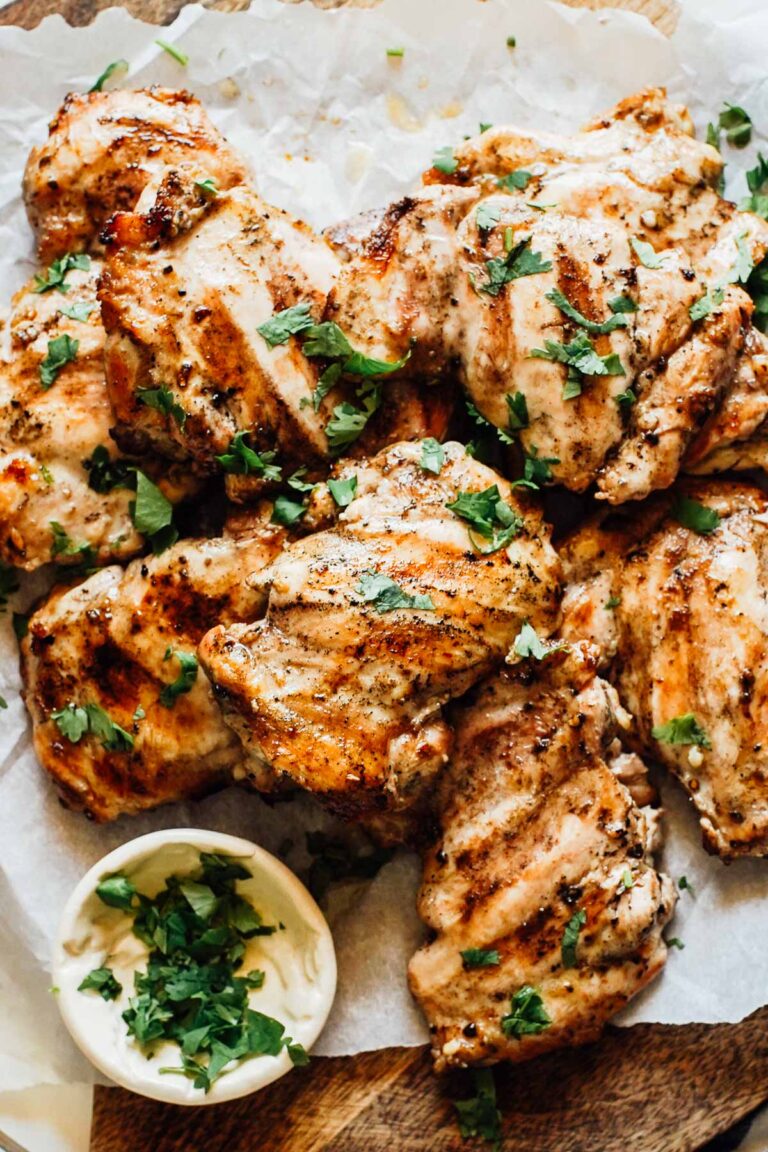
x,y
651,1088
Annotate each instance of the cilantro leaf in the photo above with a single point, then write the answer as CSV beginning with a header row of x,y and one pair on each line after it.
x,y
528,645
432,456
286,511
527,1015
743,265
61,350
174,52
536,470
571,938
627,881
580,358
685,885
72,722
626,399
518,411
117,891
208,187
478,1115
757,286
282,325
480,958
683,729
481,422
737,125
55,276
63,546
691,514
647,255
242,460
675,942
622,304
708,303
445,161
185,680
201,898
328,379
616,320
80,310
757,182
515,181
489,516
386,596
343,491
519,261
104,473
487,215
111,735
117,68
348,422
152,514
101,980
162,400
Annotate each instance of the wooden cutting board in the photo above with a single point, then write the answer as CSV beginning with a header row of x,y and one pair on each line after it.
x,y
652,1088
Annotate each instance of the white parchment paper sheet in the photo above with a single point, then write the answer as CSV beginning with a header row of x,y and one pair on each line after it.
x,y
332,126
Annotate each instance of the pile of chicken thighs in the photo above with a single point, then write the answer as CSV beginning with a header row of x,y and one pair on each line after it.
x,y
281,562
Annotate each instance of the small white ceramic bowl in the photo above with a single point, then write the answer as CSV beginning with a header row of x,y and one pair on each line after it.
x,y
299,963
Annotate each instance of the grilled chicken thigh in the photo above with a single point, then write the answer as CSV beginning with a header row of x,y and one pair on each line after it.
x,y
119,650
375,624
103,148
540,893
680,614
52,420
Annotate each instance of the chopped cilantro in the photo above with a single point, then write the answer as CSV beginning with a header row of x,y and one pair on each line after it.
x,y
527,1016
432,456
683,729
757,286
571,938
519,261
511,42
712,136
208,187
241,460
386,596
61,350
480,958
174,52
627,881
3,703
396,53
708,303
622,304
286,511
101,980
162,400
691,514
79,311
185,680
63,546
616,320
685,885
613,602
445,161
489,517
152,514
104,473
483,126
536,470
282,325
675,942
343,491
757,180
75,721
117,68
743,265
737,125
647,255
518,411
116,891
581,359
478,1115
481,422
627,398
528,645
55,277
516,181
487,215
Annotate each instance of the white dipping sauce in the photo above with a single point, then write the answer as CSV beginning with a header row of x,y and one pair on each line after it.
x,y
298,962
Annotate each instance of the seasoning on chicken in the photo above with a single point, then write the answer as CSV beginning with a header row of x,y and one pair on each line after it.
x,y
374,625
123,719
676,597
540,893
103,149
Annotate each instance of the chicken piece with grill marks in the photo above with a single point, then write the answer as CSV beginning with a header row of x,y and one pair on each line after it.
x,y
375,624
103,149
543,904
507,293
675,595
119,649
639,165
51,423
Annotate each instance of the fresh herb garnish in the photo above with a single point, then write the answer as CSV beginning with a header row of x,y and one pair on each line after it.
x,y
743,265
104,473
163,400
571,938
343,491
78,720
386,596
241,460
622,304
647,255
116,68
481,422
478,1115
185,680
480,958
489,517
516,181
528,645
675,942
757,180
152,514
737,125
613,602
683,729
55,277
174,52
685,885
518,411
527,1016
520,260
396,53
757,286
695,516
63,546
626,399
117,891
616,320
445,161
626,882
3,703
101,980
487,216
286,511
511,42
79,311
432,456
208,187
61,350
536,470
708,303
282,325
581,359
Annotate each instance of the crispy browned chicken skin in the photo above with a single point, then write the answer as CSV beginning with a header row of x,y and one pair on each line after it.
x,y
346,700
106,642
103,149
537,826
681,621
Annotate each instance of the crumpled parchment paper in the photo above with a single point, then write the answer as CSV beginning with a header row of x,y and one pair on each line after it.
x,y
331,126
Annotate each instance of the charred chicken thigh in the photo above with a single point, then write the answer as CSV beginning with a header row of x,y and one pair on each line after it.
x,y
372,626
676,597
102,150
540,892
123,719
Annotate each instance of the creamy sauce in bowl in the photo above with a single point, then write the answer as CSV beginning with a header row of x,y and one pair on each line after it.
x,y
297,960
